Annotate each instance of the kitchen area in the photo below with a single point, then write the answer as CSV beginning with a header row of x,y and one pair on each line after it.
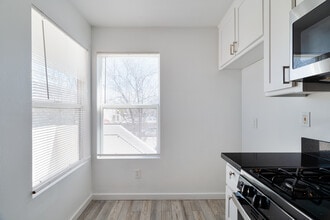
x,y
242,114
282,170
279,185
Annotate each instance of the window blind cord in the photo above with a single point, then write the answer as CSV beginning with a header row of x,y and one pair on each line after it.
x,y
45,55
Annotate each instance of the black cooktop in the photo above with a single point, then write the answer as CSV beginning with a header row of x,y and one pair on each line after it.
x,y
305,189
297,182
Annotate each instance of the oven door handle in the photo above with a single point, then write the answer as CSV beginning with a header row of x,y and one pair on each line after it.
x,y
239,207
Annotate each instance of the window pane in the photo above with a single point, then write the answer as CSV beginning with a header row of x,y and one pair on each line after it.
x,y
130,98
131,79
130,130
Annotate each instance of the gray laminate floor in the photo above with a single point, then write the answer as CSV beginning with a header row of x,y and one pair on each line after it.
x,y
155,210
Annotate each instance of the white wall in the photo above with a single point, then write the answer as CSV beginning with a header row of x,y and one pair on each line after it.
x,y
63,199
200,114
279,118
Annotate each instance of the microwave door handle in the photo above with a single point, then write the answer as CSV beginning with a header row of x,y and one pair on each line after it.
x,y
240,208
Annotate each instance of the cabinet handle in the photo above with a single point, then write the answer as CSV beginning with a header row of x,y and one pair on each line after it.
x,y
235,48
228,211
285,68
231,173
231,49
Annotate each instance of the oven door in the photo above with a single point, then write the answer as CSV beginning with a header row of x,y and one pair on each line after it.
x,y
244,209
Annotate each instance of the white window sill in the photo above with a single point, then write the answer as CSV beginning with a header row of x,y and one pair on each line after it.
x,y
144,156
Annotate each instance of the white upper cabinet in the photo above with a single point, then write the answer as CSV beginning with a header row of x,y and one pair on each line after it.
x,y
249,23
227,37
276,46
241,33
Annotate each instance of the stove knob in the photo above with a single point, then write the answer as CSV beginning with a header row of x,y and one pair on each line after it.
x,y
256,200
248,191
251,191
263,202
245,189
259,201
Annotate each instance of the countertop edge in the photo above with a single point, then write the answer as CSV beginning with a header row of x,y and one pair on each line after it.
x,y
231,162
246,160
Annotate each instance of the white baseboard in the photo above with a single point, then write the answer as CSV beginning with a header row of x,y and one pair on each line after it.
x,y
157,196
82,207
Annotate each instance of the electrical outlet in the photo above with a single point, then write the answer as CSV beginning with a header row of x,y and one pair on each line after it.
x,y
138,174
306,119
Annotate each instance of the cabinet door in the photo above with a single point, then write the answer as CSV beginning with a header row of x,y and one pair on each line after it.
x,y
232,176
249,23
231,210
226,37
277,58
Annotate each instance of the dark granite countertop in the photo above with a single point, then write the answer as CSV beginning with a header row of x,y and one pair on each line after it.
x,y
267,160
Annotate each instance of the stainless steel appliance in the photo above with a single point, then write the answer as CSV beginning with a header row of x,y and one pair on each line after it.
x,y
297,189
302,193
252,203
310,41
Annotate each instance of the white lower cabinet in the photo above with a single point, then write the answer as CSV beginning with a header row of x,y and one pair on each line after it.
x,y
231,210
232,175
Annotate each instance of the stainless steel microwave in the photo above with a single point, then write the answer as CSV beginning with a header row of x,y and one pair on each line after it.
x,y
310,41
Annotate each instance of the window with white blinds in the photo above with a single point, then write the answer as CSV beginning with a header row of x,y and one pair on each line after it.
x,y
59,69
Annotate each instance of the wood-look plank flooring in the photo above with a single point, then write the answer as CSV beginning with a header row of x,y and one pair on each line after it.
x,y
154,210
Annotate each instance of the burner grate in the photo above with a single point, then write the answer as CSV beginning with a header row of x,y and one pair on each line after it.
x,y
298,183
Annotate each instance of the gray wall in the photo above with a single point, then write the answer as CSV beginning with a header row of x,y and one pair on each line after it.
x,y
200,116
279,118
63,199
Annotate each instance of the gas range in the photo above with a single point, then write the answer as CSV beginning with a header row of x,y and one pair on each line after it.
x,y
298,183
301,193
295,189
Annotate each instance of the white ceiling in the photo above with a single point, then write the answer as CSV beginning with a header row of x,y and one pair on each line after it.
x,y
152,13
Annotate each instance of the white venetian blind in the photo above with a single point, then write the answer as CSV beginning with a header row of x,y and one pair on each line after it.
x,y
59,68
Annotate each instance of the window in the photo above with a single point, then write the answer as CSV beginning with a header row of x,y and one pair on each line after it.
x,y
59,69
129,104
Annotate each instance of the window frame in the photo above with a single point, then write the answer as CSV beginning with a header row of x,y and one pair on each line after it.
x,y
101,106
